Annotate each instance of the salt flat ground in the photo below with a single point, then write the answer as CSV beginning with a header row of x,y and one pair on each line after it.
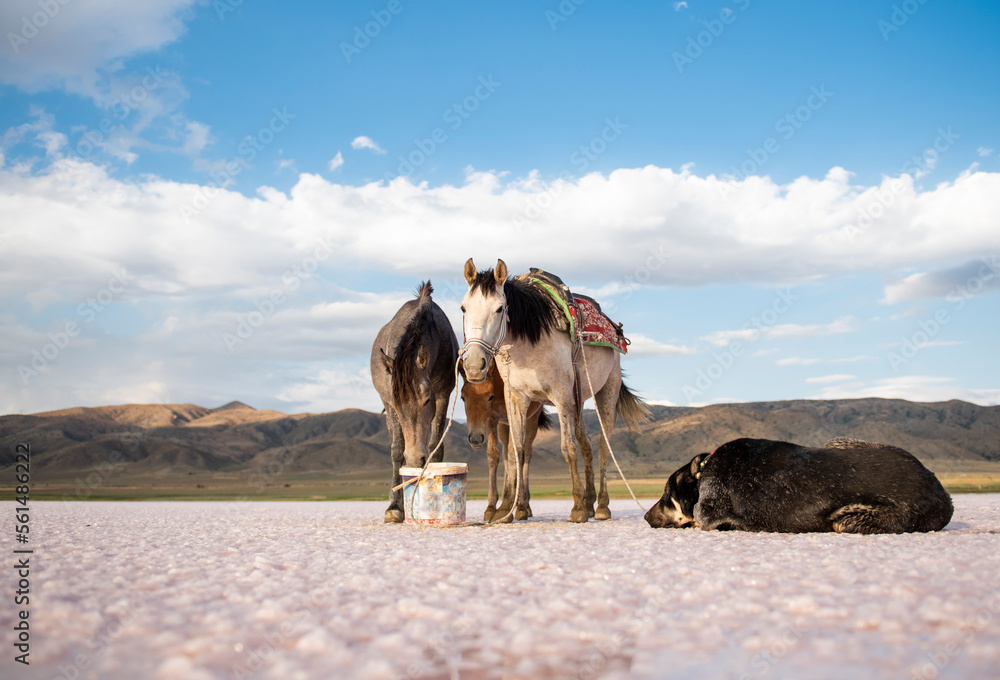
x,y
187,591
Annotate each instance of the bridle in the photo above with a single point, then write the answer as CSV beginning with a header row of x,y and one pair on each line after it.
x,y
493,348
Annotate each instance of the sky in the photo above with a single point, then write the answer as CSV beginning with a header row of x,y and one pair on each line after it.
x,y
211,201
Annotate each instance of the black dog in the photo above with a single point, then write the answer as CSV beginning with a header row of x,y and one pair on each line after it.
x,y
850,486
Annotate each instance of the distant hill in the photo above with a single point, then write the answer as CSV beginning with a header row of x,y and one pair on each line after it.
x,y
165,439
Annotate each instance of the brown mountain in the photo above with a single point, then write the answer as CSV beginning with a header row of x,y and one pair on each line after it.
x,y
165,439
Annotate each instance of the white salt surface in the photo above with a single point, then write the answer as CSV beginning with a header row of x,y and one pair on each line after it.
x,y
189,591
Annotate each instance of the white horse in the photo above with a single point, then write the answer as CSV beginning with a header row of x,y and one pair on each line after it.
x,y
517,324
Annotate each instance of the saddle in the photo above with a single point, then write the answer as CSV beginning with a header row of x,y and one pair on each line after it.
x,y
584,320
582,315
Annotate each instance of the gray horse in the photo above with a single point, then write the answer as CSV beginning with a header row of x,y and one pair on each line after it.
x,y
413,370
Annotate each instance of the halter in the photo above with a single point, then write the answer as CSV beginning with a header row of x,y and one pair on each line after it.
x,y
701,466
495,347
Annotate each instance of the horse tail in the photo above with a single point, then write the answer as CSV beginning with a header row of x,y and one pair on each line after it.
x,y
631,409
544,420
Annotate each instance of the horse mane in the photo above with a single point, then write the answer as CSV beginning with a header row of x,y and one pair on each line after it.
x,y
532,311
404,360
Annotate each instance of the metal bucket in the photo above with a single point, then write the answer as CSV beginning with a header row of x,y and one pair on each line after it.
x,y
438,498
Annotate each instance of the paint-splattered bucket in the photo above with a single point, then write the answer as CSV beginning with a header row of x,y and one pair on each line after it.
x,y
438,498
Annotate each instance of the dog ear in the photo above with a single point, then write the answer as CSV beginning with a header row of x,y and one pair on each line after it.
x,y
500,272
696,464
386,361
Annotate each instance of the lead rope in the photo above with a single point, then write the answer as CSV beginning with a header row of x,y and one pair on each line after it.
x,y
517,469
430,457
604,432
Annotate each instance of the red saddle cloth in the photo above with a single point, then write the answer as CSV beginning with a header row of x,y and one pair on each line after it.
x,y
596,328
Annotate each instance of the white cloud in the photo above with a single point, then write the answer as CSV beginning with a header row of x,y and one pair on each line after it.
x,y
985,151
41,132
85,49
211,272
332,390
336,161
83,42
796,361
845,324
365,142
932,343
196,139
975,277
849,360
840,377
285,164
646,346
678,6
755,237
913,388
151,392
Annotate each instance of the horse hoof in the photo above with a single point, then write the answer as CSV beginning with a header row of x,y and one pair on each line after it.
x,y
602,513
579,516
530,513
393,516
489,514
505,518
521,514
590,512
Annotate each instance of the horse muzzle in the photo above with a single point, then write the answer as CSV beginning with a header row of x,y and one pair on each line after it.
x,y
477,369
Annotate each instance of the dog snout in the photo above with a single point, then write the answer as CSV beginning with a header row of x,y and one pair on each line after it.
x,y
654,516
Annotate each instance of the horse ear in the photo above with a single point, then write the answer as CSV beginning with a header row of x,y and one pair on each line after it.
x,y
500,272
423,357
386,361
470,271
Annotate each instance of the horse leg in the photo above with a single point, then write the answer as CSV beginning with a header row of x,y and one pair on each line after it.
x,y
590,495
530,430
509,478
395,511
493,459
437,428
517,406
606,401
567,432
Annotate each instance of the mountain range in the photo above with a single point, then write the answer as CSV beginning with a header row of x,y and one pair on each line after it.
x,y
169,439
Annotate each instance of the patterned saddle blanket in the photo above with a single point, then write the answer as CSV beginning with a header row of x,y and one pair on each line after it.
x,y
583,314
594,325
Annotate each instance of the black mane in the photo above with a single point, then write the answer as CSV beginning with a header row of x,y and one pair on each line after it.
x,y
532,311
404,361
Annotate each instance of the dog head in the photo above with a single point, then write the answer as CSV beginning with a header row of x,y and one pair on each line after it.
x,y
676,507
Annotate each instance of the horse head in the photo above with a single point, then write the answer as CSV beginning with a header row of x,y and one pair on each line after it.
x,y
479,400
484,318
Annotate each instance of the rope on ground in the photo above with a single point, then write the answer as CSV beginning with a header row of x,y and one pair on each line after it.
x,y
604,432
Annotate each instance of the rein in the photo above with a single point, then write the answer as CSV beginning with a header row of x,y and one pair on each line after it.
x,y
492,350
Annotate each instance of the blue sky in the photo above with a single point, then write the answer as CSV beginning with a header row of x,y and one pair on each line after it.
x,y
779,200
